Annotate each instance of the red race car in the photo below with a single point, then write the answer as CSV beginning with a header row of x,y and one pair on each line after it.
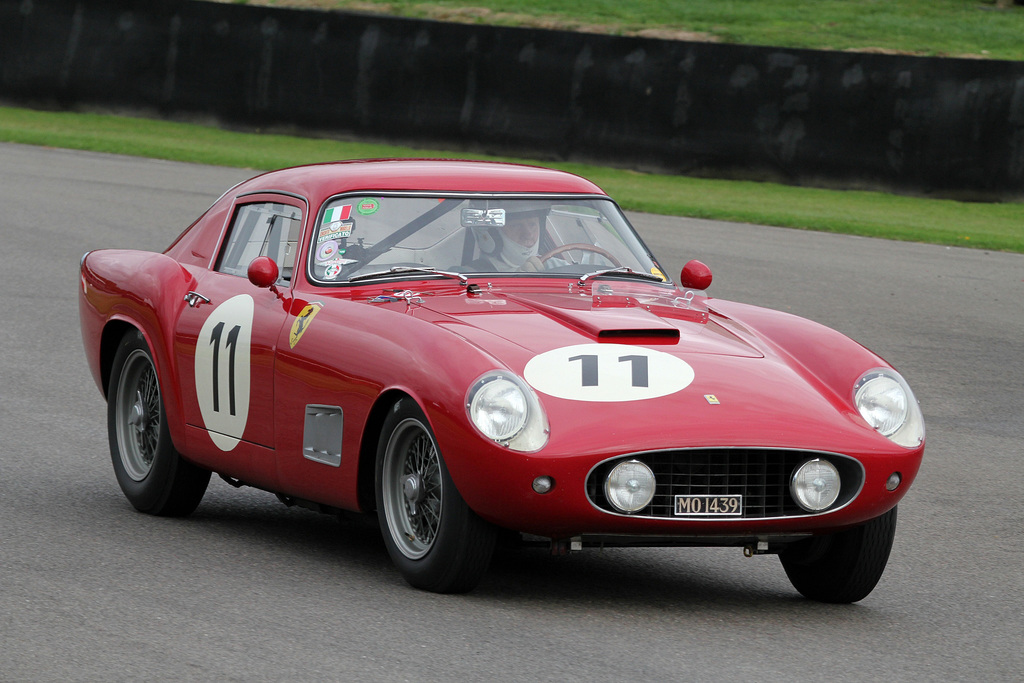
x,y
473,349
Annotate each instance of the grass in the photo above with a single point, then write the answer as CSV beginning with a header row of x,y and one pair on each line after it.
x,y
976,28
874,214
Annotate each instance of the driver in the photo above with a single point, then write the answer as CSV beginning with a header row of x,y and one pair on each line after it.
x,y
514,245
520,240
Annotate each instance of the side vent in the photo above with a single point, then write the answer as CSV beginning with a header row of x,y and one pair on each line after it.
x,y
321,434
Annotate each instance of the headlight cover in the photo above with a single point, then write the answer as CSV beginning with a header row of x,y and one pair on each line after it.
x,y
506,410
886,402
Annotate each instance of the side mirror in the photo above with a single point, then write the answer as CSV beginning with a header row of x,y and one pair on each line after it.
x,y
263,272
695,275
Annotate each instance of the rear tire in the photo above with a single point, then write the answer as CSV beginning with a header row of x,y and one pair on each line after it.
x,y
153,476
436,542
843,567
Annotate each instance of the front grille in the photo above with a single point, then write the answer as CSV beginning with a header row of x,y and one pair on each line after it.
x,y
761,476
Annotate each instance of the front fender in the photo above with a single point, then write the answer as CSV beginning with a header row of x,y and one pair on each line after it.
x,y
827,359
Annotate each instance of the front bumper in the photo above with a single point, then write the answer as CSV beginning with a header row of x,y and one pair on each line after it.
x,y
575,506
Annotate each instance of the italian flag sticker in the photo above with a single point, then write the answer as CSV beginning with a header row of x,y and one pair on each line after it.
x,y
338,213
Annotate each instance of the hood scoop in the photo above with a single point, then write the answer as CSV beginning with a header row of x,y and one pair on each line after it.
x,y
669,335
541,321
620,319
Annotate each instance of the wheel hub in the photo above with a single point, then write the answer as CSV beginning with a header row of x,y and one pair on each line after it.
x,y
413,489
138,418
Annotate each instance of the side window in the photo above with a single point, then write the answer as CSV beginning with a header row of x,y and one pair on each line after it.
x,y
262,229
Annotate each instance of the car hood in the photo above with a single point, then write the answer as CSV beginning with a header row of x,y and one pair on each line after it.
x,y
669,368
540,321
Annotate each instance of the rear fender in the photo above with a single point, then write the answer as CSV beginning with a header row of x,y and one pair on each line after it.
x,y
124,290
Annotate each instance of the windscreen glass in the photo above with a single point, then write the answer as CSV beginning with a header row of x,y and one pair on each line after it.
x,y
359,236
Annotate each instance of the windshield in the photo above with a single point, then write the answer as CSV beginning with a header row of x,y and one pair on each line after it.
x,y
360,236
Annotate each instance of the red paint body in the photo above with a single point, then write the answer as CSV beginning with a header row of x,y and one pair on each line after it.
x,y
782,382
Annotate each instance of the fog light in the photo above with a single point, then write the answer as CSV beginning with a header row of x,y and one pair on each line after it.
x,y
894,481
543,484
815,485
630,486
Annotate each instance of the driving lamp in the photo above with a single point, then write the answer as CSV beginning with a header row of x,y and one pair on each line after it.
x,y
815,485
630,486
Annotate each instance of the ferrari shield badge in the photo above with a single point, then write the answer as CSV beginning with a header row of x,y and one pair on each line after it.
x,y
302,322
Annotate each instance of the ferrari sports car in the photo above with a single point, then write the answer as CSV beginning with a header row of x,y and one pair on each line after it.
x,y
477,352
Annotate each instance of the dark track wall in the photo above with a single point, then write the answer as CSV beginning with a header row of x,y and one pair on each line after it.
x,y
948,127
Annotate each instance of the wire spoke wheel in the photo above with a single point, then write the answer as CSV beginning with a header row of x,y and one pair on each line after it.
x,y
151,473
137,417
435,540
412,488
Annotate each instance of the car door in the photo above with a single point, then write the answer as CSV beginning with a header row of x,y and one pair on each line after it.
x,y
226,339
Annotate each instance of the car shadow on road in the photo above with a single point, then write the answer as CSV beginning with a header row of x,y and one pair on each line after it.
x,y
253,523
645,576
353,543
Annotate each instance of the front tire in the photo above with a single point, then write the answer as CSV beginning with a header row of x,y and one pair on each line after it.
x,y
153,476
843,567
436,542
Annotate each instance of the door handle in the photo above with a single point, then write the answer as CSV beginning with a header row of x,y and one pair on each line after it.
x,y
193,299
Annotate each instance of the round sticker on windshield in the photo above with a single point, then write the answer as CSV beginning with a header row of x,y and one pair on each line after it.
x,y
326,251
367,206
607,373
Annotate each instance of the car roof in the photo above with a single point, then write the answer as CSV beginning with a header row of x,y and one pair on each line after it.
x,y
316,182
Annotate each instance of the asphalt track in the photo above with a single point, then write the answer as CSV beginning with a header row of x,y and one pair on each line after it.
x,y
247,589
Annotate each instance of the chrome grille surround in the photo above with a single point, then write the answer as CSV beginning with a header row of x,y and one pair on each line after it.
x,y
761,475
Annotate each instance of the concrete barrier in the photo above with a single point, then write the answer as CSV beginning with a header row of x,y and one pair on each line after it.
x,y
946,127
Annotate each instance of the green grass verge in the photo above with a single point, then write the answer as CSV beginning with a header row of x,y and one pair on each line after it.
x,y
978,28
874,214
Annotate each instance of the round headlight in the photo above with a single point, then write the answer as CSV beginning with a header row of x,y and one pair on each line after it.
x,y
504,408
499,409
630,486
815,485
886,402
882,402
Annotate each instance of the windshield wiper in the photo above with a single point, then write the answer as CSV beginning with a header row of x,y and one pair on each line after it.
x,y
410,269
621,270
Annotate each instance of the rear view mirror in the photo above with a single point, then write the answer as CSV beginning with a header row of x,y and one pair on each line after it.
x,y
483,218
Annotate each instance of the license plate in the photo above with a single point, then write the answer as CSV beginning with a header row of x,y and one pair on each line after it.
x,y
709,506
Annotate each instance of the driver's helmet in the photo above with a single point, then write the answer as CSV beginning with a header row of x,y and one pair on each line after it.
x,y
490,239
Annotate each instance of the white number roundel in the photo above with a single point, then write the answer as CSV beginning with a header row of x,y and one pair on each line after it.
x,y
607,373
222,370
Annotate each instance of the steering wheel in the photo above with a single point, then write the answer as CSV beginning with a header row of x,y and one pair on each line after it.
x,y
583,247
